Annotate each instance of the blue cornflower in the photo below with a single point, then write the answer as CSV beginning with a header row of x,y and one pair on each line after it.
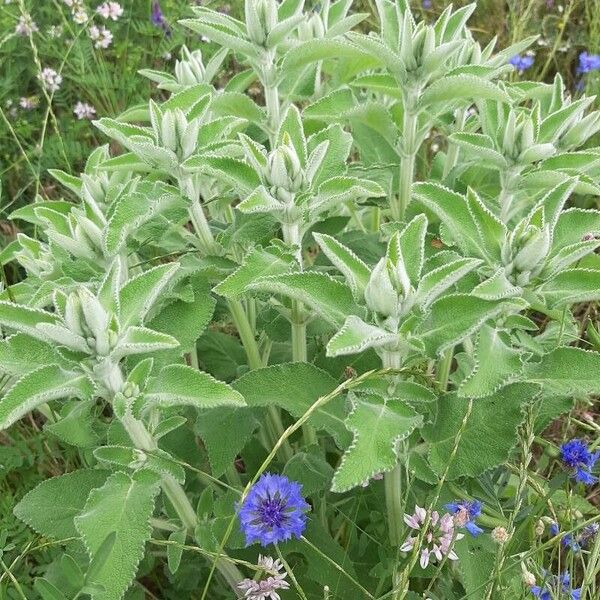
x,y
464,513
273,511
427,4
582,539
576,455
555,586
588,62
554,529
522,63
157,18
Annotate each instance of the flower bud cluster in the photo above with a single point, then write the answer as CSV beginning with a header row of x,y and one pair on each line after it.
x,y
283,174
524,252
190,69
261,18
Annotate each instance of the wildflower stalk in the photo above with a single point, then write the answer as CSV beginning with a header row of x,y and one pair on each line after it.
x,y
292,237
393,479
409,151
444,367
527,438
404,579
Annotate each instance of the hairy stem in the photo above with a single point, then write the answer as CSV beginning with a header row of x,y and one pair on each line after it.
x,y
143,440
275,427
393,479
293,237
408,160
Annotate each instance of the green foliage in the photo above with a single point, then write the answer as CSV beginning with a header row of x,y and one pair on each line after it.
x,y
271,266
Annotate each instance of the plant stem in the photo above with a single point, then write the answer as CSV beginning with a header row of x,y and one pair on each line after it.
x,y
196,212
143,440
393,479
460,115
293,237
443,368
409,155
272,105
255,361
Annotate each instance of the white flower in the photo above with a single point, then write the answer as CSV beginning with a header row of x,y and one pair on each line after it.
x,y
80,17
26,26
500,535
29,102
110,10
266,589
437,540
101,36
83,110
55,31
51,79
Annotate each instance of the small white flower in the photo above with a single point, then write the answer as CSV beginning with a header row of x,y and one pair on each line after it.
x,y
29,102
101,36
528,578
55,31
83,110
266,589
80,17
51,79
500,535
26,26
167,56
110,10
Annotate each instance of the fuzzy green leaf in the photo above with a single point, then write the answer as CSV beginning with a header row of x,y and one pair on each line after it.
x,y
51,507
486,440
180,385
123,507
40,386
567,371
378,426
332,299
287,386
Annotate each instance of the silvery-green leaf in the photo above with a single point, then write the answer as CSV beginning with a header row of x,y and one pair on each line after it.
x,y
139,294
378,426
257,263
496,287
140,340
260,201
25,319
479,146
332,299
437,281
496,364
40,386
356,336
571,286
351,266
460,87
180,385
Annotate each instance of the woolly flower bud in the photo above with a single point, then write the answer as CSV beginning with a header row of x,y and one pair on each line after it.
x,y
380,295
261,18
540,527
528,578
190,70
284,171
312,28
500,535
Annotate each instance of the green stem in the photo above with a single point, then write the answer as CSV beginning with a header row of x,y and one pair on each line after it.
x,y
408,160
393,479
196,212
443,369
255,361
273,112
143,440
460,116
293,237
